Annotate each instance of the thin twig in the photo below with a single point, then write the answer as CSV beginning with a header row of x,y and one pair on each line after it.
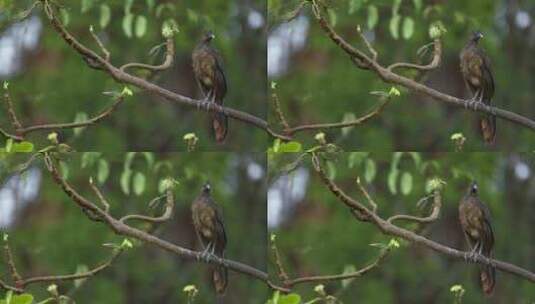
x,y
105,113
278,261
76,276
367,195
378,110
169,55
343,276
435,213
168,213
11,110
11,263
435,62
100,44
278,110
101,197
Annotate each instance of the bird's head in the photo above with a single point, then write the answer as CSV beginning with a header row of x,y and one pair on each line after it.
x,y
473,188
476,36
206,188
208,36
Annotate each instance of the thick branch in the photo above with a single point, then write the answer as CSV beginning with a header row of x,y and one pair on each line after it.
x,y
390,229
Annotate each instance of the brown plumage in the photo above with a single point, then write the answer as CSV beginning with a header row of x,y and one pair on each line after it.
x,y
208,223
477,74
208,70
477,227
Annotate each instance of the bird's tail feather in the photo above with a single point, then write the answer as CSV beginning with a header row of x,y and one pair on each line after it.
x,y
488,128
487,276
219,126
220,279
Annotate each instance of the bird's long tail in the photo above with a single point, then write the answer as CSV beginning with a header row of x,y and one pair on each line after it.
x,y
219,126
220,279
487,124
487,276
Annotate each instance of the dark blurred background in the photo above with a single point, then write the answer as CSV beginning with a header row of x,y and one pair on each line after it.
x,y
50,235
317,83
51,83
317,235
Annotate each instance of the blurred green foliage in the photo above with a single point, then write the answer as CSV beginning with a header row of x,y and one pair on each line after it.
x,y
322,85
322,237
52,235
56,85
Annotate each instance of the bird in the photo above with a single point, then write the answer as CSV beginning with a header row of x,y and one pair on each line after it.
x,y
476,223
210,76
209,227
477,73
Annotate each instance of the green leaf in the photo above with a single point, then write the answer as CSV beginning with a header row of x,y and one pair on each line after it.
x,y
408,28
9,145
395,7
89,158
417,4
436,30
406,183
139,183
80,117
128,159
332,17
141,26
392,180
103,171
356,158
22,299
394,26
105,15
348,117
125,181
128,6
64,169
23,146
373,16
347,270
331,170
150,5
292,146
80,269
355,5
65,17
87,5
127,25
370,171
289,299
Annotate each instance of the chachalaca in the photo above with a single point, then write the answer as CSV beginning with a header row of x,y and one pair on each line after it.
x,y
208,223
477,227
477,74
209,74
